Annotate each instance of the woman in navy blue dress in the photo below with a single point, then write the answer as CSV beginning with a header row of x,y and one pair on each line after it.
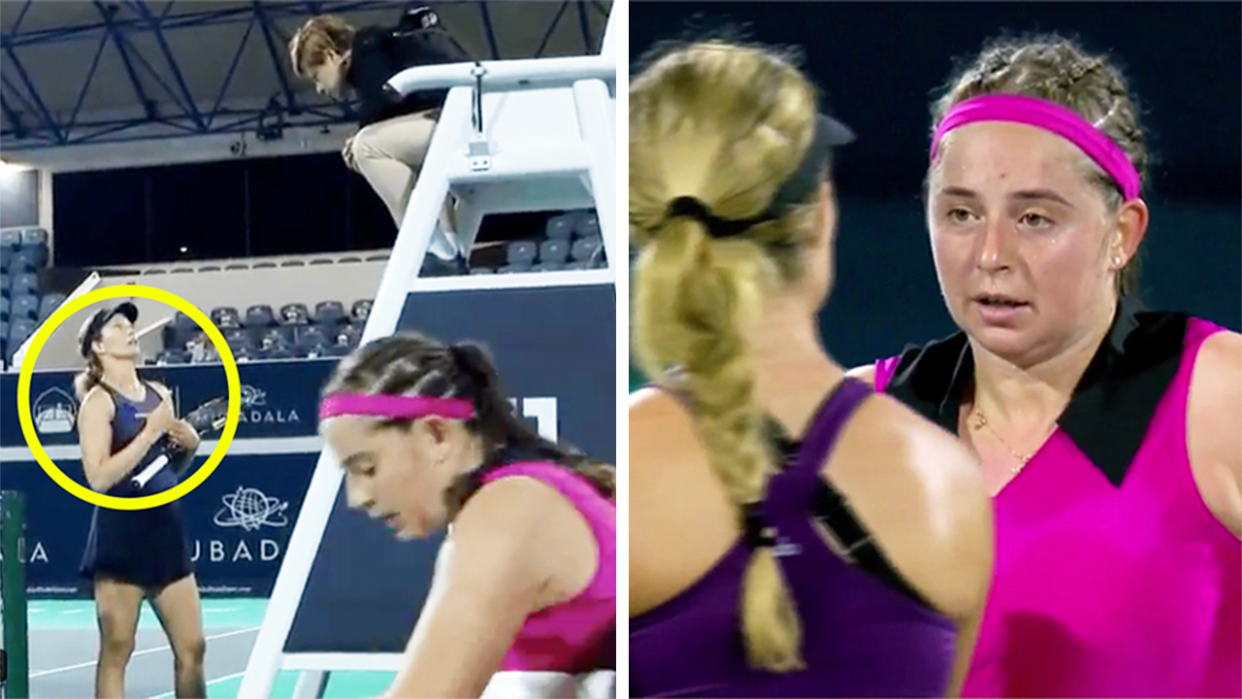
x,y
124,424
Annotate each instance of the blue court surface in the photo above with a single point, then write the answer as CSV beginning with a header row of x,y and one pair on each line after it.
x,y
64,646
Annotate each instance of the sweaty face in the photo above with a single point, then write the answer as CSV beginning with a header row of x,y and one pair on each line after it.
x,y
1022,240
117,339
395,475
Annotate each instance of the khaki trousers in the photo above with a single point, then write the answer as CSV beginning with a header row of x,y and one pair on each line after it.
x,y
390,154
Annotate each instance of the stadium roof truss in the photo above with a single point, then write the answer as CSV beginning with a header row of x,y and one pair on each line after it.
x,y
91,72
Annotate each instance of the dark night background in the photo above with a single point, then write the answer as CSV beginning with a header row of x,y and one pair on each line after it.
x,y
880,64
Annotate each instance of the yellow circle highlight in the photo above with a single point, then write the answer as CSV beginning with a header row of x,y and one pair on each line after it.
x,y
32,438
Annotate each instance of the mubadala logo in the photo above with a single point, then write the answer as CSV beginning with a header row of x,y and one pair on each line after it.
x,y
254,409
251,509
55,412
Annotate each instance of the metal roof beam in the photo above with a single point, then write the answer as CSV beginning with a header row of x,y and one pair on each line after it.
x,y
486,15
228,77
90,78
122,48
277,64
17,25
19,130
551,28
186,20
154,25
233,122
588,42
48,121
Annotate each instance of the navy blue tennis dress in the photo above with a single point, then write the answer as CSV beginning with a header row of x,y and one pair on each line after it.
x,y
148,548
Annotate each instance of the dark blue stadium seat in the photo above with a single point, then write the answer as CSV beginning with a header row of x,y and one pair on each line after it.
x,y
554,251
316,352
20,262
34,236
294,314
226,317
238,338
347,336
6,283
329,313
521,253
308,336
260,316
560,227
53,299
183,321
172,357
279,352
599,260
26,306
360,311
4,314
586,224
48,305
584,248
23,284
283,334
37,254
19,330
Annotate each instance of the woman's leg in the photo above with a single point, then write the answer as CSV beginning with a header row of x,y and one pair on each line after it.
x,y
117,605
389,154
177,607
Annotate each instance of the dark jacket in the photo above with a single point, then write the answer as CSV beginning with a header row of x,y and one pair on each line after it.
x,y
379,53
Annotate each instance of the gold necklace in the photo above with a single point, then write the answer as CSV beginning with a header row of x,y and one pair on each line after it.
x,y
981,420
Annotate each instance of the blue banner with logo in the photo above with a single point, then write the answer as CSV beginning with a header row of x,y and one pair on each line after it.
x,y
238,521
279,399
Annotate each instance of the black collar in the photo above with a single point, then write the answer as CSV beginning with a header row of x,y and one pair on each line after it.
x,y
1112,406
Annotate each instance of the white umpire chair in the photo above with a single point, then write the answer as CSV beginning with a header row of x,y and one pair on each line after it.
x,y
513,136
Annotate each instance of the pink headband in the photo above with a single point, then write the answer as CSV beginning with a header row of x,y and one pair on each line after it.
x,y
1050,117
398,407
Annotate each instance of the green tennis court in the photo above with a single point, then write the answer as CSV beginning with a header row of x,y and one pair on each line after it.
x,y
64,645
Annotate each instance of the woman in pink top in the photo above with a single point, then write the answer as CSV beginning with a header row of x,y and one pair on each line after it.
x,y
526,579
1108,434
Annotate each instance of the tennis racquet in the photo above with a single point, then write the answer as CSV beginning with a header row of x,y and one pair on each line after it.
x,y
205,419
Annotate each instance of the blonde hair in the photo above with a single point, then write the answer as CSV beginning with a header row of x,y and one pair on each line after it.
x,y
314,39
88,378
727,125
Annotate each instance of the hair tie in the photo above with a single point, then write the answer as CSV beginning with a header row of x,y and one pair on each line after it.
x,y
756,532
694,208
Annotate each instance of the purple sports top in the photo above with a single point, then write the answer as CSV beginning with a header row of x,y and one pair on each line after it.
x,y
862,637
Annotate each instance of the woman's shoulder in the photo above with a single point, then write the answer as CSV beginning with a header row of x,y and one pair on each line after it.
x,y
922,493
98,400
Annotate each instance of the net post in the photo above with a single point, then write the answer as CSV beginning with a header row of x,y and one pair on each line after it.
x,y
13,593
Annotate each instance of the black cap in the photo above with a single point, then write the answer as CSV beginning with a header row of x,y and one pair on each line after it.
x,y
834,132
90,330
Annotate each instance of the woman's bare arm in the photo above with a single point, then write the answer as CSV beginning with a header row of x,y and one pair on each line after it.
x,y
104,469
1213,411
489,577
